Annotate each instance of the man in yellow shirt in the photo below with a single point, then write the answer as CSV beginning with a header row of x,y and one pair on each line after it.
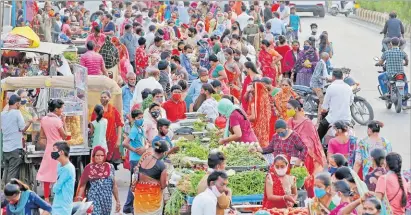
x,y
216,162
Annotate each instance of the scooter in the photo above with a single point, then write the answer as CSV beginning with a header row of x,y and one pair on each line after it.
x,y
342,7
396,89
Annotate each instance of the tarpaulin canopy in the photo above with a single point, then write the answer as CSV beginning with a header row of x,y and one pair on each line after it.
x,y
43,48
28,33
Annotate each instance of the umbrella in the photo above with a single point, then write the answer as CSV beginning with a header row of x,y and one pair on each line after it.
x,y
28,33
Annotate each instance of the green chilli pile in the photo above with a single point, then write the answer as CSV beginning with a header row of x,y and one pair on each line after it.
x,y
238,154
192,149
247,183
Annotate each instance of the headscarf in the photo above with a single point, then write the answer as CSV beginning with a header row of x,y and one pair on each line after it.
x,y
226,108
20,207
94,171
361,186
203,31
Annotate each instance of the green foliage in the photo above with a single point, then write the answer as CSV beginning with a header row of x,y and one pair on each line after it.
x,y
403,8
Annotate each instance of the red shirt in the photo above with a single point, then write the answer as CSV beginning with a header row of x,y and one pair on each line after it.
x,y
141,60
275,7
175,111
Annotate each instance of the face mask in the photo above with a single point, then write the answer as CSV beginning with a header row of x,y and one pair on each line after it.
x,y
332,170
139,122
283,134
55,155
250,22
162,133
319,192
176,96
306,47
155,114
234,28
291,113
159,100
314,30
215,191
23,102
336,199
295,48
281,172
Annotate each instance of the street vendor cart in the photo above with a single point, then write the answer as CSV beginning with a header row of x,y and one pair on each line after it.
x,y
80,94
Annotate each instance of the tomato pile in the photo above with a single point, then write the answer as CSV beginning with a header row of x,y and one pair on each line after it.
x,y
288,211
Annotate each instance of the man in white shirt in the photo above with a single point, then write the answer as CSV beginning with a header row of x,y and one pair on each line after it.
x,y
206,202
284,11
277,25
151,82
337,101
242,19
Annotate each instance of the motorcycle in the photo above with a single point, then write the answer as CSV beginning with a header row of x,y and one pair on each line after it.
x,y
82,208
360,108
396,90
342,7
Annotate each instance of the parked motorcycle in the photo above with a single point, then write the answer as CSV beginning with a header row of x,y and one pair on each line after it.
x,y
342,7
82,208
361,110
396,90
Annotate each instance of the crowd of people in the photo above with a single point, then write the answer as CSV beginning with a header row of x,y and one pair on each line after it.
x,y
227,60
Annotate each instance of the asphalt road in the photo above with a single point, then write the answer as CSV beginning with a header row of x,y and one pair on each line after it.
x,y
355,44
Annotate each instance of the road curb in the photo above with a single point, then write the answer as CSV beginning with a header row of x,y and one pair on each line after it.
x,y
378,18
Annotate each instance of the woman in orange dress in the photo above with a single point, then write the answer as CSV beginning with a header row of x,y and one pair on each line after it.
x,y
233,73
282,98
260,112
268,58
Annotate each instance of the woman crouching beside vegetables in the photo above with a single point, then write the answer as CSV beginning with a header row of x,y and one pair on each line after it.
x,y
237,124
280,188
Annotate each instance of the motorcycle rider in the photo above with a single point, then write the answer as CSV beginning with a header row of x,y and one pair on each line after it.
x,y
395,59
318,80
337,101
393,28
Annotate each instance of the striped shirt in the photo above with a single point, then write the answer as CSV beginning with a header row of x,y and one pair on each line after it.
x,y
93,62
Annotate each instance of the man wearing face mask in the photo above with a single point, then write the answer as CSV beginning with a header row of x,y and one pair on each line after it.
x,y
216,162
205,203
314,30
186,61
12,137
251,31
63,189
175,107
127,93
195,87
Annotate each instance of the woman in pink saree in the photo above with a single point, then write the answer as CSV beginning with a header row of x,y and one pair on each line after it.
x,y
304,127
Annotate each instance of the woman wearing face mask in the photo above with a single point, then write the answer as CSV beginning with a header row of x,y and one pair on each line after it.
x,y
99,174
290,59
342,192
304,127
52,130
259,110
233,73
282,98
378,168
235,29
323,202
23,201
287,142
209,105
238,127
217,72
201,31
363,163
336,161
280,188
306,62
268,59
343,143
392,188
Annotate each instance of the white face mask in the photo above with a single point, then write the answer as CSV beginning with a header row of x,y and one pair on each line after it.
x,y
251,22
336,199
281,172
215,191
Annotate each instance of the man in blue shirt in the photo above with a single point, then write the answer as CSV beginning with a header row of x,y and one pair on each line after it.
x,y
128,92
130,40
63,189
135,143
195,87
277,25
295,23
186,63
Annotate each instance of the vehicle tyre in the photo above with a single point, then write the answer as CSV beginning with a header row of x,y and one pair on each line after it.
x,y
398,102
334,11
322,13
315,13
388,104
361,103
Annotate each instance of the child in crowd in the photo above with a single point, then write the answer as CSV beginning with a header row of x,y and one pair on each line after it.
x,y
162,127
98,128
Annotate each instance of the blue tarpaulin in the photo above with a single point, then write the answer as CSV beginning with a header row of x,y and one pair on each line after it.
x,y
237,199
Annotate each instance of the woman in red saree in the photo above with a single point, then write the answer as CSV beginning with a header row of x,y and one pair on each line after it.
x,y
233,73
114,128
280,189
259,110
252,74
316,160
282,49
268,58
123,55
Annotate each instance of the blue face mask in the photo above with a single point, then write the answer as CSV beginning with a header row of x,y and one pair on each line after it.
x,y
283,134
319,192
139,122
306,47
332,170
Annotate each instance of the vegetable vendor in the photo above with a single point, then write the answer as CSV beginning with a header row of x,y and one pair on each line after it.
x,y
237,124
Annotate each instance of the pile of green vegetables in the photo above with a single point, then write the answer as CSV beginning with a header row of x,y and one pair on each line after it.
x,y
238,154
70,56
192,149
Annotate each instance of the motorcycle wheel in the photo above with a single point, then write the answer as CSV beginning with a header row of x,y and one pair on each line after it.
x,y
334,12
360,109
398,102
388,104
